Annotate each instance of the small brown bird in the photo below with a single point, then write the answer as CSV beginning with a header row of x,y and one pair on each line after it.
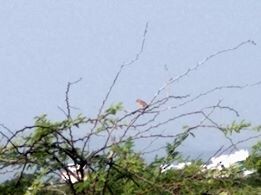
x,y
141,104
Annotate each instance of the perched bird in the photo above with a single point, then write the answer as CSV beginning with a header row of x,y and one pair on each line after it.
x,y
141,104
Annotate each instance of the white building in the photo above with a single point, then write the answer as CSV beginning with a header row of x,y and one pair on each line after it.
x,y
72,174
227,160
217,163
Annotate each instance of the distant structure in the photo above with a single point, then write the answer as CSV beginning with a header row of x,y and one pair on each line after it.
x,y
227,160
218,163
72,174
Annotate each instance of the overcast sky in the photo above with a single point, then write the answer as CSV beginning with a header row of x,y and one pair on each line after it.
x,y
44,44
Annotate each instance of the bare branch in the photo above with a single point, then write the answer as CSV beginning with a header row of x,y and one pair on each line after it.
x,y
132,61
68,106
199,64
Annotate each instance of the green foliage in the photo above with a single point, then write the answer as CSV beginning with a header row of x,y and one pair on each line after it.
x,y
37,184
254,160
11,187
113,109
108,119
171,148
119,176
130,174
116,168
236,127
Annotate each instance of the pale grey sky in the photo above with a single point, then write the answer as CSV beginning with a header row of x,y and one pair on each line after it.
x,y
45,44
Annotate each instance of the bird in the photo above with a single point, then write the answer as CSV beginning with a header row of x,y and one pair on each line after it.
x,y
141,104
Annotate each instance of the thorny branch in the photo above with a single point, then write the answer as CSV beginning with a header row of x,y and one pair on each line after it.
x,y
124,65
198,65
132,61
22,148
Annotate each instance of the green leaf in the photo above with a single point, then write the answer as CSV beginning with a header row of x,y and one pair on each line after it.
x,y
113,109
